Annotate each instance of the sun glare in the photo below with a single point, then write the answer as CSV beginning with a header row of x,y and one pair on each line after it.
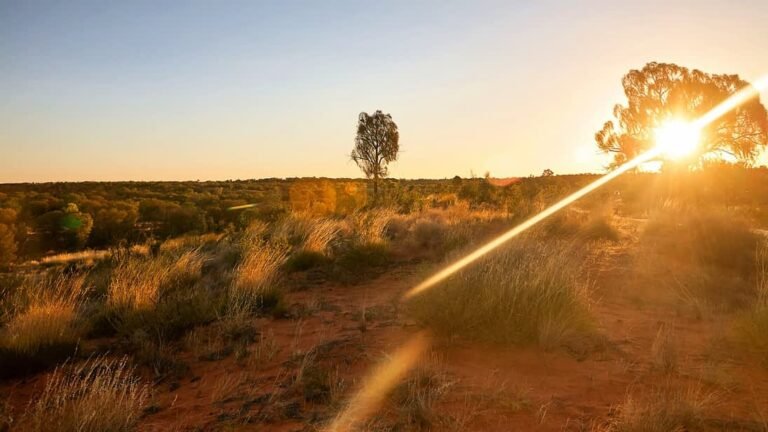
x,y
677,139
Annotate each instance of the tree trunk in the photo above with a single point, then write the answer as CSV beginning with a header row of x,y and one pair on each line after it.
x,y
375,188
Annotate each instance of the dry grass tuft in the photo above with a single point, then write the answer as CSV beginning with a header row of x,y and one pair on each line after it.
x,y
44,315
370,227
664,351
413,403
320,235
663,410
528,292
135,284
255,283
158,295
99,395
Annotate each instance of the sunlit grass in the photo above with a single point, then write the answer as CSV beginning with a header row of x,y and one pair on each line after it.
x,y
255,283
529,292
43,316
663,409
99,395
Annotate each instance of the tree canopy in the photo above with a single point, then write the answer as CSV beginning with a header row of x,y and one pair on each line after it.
x,y
663,91
376,145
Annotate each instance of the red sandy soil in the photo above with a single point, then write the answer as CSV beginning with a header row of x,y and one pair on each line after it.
x,y
563,389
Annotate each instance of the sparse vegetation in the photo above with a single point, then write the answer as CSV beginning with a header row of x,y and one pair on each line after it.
x,y
176,307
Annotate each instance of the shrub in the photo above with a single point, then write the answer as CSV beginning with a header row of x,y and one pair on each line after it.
x,y
429,234
528,292
713,237
99,395
565,223
711,252
42,326
398,228
599,227
359,258
158,295
305,260
586,226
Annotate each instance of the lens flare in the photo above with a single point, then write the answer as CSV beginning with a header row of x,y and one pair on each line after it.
x,y
378,385
685,131
677,139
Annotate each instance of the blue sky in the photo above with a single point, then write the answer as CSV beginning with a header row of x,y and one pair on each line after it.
x,y
161,90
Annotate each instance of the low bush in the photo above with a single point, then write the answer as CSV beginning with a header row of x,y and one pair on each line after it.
x,y
158,295
529,292
360,258
429,234
305,260
713,237
711,253
570,223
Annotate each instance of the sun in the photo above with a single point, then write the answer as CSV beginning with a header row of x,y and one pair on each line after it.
x,y
677,139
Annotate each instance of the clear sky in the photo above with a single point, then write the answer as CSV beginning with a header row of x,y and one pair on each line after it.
x,y
185,90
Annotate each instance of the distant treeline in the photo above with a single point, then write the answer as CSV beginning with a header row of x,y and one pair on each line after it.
x,y
42,218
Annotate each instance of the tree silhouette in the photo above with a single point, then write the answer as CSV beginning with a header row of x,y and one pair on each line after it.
x,y
376,145
660,91
547,173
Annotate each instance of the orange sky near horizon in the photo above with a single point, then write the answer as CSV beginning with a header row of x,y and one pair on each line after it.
x,y
196,90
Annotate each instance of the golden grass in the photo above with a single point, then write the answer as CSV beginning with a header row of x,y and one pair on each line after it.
x,y
369,227
664,409
135,284
188,242
321,233
99,395
255,280
306,233
529,292
44,313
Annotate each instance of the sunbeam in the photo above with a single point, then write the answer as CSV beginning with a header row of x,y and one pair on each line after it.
x,y
662,147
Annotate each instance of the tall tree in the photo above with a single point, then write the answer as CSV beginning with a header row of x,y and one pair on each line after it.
x,y
660,91
376,145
